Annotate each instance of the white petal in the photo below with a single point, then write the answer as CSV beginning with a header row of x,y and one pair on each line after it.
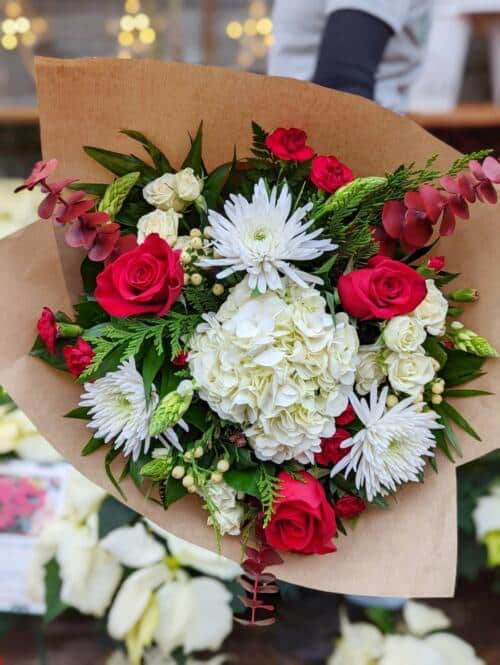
x,y
202,560
133,546
212,619
101,582
453,649
486,515
82,497
422,619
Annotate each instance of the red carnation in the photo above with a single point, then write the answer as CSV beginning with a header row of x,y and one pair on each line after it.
x,y
346,417
289,144
147,279
329,174
349,506
303,520
48,329
436,263
331,452
382,290
78,357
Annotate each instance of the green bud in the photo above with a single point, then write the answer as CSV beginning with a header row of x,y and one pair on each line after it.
x,y
116,193
492,542
352,195
464,295
157,469
69,330
201,204
469,341
171,408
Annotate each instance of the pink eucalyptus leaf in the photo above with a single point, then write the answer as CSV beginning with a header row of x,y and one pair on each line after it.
x,y
491,169
433,202
393,217
105,242
71,211
476,169
80,234
448,223
413,200
450,184
48,205
466,188
459,207
417,230
487,192
40,172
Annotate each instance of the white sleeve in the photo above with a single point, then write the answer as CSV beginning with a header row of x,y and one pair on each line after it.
x,y
392,12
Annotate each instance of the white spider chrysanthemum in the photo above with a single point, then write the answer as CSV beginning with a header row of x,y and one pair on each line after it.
x,y
119,409
263,236
392,447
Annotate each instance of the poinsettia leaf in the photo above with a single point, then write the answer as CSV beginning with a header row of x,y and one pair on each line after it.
x,y
54,606
159,158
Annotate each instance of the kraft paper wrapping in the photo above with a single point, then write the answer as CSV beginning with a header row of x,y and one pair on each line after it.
x,y
409,550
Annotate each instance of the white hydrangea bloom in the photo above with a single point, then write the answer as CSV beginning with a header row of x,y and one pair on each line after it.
x,y
392,447
263,236
119,409
432,311
278,365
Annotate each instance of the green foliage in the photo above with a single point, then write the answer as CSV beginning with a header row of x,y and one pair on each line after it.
x,y
354,240
121,164
201,298
194,159
259,148
215,183
116,193
181,328
269,487
92,445
158,468
462,163
39,350
54,606
89,271
349,198
436,350
244,480
460,368
112,515
384,619
159,159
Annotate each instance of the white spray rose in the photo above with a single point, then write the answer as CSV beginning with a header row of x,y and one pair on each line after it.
x,y
432,311
404,334
409,372
174,190
163,222
371,368
229,511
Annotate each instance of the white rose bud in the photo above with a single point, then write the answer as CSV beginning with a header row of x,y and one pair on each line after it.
x,y
163,222
188,186
432,311
409,372
369,370
404,334
162,193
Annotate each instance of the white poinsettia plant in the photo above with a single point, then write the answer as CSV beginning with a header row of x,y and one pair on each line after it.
x,y
265,335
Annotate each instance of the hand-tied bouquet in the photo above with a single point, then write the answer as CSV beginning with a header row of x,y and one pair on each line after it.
x,y
262,335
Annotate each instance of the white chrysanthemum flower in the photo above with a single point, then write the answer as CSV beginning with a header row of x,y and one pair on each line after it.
x,y
278,365
263,236
392,447
119,409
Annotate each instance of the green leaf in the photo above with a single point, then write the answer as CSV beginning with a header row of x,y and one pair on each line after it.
x,y
194,158
121,164
159,159
113,454
461,367
435,350
80,413
214,184
243,458
466,393
442,444
39,350
116,193
131,212
196,415
92,445
89,271
244,480
89,313
54,606
448,430
135,467
112,515
91,188
174,490
384,619
459,420
150,368
327,265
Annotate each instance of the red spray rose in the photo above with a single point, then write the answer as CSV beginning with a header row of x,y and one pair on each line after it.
x,y
146,279
346,417
329,174
349,506
382,290
180,359
47,329
289,144
303,520
436,263
331,452
78,357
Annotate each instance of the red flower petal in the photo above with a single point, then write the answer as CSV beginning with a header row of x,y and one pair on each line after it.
x,y
393,217
417,230
413,200
432,201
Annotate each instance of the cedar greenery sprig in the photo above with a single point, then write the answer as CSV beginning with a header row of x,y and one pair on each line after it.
x,y
269,487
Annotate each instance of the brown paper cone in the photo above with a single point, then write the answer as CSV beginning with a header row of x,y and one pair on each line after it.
x,y
407,551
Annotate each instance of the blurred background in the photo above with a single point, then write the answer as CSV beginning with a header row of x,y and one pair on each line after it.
x,y
456,97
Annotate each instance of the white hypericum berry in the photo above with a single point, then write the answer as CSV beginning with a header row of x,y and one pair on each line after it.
x,y
223,465
178,472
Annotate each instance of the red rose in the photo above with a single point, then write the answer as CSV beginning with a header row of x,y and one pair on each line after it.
x,y
78,357
331,452
436,263
289,144
382,290
329,174
349,506
346,417
146,279
303,520
48,329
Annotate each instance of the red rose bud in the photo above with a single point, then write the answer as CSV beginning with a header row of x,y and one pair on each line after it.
x,y
330,174
436,263
384,289
464,295
346,417
146,279
289,145
331,452
78,357
349,506
303,520
51,330
448,343
180,359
